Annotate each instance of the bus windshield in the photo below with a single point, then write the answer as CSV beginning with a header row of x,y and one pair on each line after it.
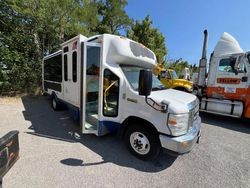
x,y
132,75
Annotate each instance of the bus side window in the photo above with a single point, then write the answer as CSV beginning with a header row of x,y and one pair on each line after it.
x,y
74,66
65,64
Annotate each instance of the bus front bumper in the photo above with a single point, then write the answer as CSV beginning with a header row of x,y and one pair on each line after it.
x,y
182,144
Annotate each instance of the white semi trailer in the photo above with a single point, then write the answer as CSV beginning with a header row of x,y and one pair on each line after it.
x,y
106,81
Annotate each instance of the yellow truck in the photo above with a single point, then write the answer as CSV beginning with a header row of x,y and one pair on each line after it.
x,y
170,79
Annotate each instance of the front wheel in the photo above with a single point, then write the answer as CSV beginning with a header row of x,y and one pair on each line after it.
x,y
142,142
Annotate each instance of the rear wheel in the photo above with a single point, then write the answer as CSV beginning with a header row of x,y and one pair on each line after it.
x,y
142,142
54,103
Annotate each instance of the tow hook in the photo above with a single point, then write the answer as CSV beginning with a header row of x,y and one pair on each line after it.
x,y
198,139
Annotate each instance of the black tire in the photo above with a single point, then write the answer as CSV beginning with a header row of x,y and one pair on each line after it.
x,y
54,103
153,139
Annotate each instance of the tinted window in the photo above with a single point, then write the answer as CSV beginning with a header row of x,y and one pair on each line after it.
x,y
53,68
74,66
66,49
93,60
110,94
65,67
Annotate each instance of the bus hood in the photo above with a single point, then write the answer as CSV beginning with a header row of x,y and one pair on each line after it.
x,y
178,101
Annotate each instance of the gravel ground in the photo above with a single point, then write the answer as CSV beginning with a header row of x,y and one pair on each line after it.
x,y
52,154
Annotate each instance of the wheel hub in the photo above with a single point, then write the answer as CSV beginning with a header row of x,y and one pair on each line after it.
x,y
139,143
54,103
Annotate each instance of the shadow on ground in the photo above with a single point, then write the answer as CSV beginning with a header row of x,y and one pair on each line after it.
x,y
59,125
240,125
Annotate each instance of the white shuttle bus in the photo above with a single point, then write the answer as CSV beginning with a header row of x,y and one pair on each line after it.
x,y
107,84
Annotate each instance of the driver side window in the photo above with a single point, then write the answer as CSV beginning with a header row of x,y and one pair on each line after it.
x,y
241,67
111,84
227,65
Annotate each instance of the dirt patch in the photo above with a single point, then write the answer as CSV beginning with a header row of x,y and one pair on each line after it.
x,y
10,100
14,98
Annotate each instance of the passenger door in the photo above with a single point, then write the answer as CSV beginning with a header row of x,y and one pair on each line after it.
x,y
90,87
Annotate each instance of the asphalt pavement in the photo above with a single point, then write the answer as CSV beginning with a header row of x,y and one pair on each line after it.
x,y
54,154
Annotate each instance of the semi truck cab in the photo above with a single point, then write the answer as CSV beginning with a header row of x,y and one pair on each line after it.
x,y
106,81
226,91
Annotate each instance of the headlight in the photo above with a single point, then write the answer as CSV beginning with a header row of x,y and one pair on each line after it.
x,y
178,123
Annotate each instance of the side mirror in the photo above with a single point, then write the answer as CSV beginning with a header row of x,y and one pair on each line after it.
x,y
145,82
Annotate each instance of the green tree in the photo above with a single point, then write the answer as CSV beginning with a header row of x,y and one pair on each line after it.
x,y
29,29
16,51
152,38
193,68
113,17
178,65
52,22
89,18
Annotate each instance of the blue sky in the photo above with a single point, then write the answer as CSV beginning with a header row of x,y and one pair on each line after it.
x,y
182,22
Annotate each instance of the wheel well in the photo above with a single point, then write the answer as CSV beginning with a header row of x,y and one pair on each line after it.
x,y
133,120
